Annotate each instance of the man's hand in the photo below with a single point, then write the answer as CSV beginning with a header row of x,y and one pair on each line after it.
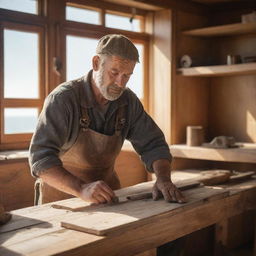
x,y
165,188
97,192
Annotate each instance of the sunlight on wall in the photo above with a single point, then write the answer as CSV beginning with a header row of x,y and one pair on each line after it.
x,y
251,126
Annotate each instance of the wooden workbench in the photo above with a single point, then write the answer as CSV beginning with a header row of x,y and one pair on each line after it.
x,y
37,230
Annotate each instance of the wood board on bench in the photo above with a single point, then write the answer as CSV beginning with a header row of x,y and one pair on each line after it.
x,y
104,220
77,204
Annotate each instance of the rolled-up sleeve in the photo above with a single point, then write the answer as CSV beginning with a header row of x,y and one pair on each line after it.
x,y
50,135
146,137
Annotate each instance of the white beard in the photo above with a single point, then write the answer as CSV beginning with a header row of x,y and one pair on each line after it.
x,y
106,89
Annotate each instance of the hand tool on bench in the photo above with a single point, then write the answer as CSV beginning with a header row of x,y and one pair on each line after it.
x,y
148,195
185,185
207,177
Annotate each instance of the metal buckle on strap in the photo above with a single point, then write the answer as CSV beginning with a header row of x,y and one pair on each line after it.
x,y
84,123
122,121
120,125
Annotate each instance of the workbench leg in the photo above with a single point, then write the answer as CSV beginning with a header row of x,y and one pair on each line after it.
x,y
221,237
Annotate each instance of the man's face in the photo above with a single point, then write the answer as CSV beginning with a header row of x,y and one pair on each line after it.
x,y
113,74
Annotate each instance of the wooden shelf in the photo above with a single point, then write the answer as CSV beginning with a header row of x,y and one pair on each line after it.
x,y
224,30
244,154
220,70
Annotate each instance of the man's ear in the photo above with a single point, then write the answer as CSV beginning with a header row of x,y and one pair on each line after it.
x,y
95,63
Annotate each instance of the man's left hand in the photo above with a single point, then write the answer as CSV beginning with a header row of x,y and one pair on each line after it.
x,y
165,188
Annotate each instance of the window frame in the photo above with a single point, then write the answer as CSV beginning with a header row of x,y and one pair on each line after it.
x,y
142,19
6,139
52,28
86,7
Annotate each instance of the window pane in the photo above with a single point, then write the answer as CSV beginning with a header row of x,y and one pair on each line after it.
x,y
29,6
20,120
79,56
136,81
82,15
21,64
122,22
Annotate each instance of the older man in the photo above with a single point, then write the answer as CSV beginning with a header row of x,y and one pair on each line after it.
x,y
83,125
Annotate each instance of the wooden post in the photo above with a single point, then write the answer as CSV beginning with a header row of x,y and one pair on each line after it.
x,y
221,236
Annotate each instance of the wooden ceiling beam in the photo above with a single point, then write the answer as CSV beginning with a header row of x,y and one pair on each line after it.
x,y
181,5
226,7
107,5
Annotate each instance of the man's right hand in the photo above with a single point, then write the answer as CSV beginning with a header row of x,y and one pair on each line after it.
x,y
97,192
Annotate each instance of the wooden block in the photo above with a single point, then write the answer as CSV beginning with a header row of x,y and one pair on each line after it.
x,y
241,176
120,217
144,188
195,135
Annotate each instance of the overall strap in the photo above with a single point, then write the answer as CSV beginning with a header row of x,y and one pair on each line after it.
x,y
84,120
120,120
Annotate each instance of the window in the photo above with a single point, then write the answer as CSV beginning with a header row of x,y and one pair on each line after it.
x,y
136,82
28,6
22,94
123,22
34,60
20,120
82,15
21,67
79,54
80,45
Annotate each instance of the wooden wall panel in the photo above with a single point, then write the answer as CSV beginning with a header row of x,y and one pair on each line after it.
x,y
130,168
160,88
191,104
243,45
233,108
232,103
16,185
191,95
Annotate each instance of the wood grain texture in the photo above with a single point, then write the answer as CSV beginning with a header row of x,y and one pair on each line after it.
x,y
219,70
123,216
129,168
160,90
190,95
232,108
224,30
50,239
245,154
16,184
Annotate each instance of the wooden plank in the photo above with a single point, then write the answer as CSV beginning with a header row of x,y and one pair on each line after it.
x,y
162,4
224,30
34,215
14,154
120,217
132,241
77,204
219,70
160,89
244,154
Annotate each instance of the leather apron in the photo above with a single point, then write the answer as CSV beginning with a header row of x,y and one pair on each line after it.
x,y
91,158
